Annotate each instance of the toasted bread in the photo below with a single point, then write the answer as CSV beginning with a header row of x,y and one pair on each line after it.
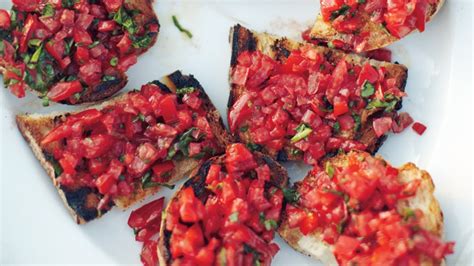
x,y
82,202
279,48
279,178
378,36
145,15
424,200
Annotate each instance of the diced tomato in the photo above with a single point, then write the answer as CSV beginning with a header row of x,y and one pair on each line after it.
x,y
368,73
191,209
239,112
346,246
126,62
82,37
105,181
97,166
82,55
68,163
26,5
124,44
148,255
63,90
239,158
113,6
309,223
419,128
4,19
96,145
145,156
381,54
91,72
329,6
18,89
161,169
340,106
106,26
147,214
382,125
402,121
239,75
28,28
168,108
84,21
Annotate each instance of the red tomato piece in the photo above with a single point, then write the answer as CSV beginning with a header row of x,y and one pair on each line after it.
x,y
239,112
126,62
124,44
106,26
63,90
97,145
148,255
340,106
346,246
160,169
147,214
4,19
113,6
368,73
419,128
239,158
26,5
82,55
105,181
382,125
168,108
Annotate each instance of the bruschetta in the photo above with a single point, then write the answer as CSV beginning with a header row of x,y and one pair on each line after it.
x,y
73,51
120,151
226,213
298,101
366,25
359,210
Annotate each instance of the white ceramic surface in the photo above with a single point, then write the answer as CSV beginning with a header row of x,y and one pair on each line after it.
x,y
36,228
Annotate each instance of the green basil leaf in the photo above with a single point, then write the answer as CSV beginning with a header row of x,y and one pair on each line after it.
x,y
367,90
180,28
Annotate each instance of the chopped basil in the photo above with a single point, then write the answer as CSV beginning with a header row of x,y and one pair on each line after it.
x,y
340,227
270,224
37,54
45,101
244,129
122,158
302,132
108,78
291,195
221,257
184,141
121,177
367,90
329,169
148,183
234,217
34,42
331,45
124,19
361,1
114,61
48,11
171,153
180,28
77,96
68,3
253,147
140,117
94,44
296,152
186,90
357,122
336,128
56,166
340,12
142,42
408,213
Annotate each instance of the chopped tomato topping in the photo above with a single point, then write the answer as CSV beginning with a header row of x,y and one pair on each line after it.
x,y
72,40
234,219
358,204
308,106
129,144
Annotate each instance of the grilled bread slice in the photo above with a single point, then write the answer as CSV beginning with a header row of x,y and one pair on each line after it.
x,y
197,181
82,202
378,36
143,20
423,200
279,48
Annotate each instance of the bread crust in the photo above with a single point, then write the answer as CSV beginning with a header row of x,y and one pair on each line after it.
x,y
279,48
279,177
424,199
379,37
34,127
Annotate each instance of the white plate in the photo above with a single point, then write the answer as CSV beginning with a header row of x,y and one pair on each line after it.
x,y
36,228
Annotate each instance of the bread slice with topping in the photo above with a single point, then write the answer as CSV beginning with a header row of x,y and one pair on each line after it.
x,y
372,24
361,210
170,150
284,94
226,213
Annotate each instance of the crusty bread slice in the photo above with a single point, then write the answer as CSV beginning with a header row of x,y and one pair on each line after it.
x,y
82,202
279,177
106,89
279,48
424,200
378,37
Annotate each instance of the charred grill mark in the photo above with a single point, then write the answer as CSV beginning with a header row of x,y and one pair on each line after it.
x,y
77,200
242,40
377,144
279,47
198,182
182,81
162,86
282,156
167,238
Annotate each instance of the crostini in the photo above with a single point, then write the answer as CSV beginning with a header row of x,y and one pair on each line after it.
x,y
366,25
226,213
126,148
359,210
73,51
298,101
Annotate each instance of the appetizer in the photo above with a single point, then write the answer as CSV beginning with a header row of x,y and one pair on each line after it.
x,y
126,148
359,210
73,51
298,101
226,213
366,25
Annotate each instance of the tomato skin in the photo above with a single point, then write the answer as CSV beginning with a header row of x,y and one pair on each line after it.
x,y
124,44
4,19
63,90
239,158
96,145
26,5
382,125
147,214
148,255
